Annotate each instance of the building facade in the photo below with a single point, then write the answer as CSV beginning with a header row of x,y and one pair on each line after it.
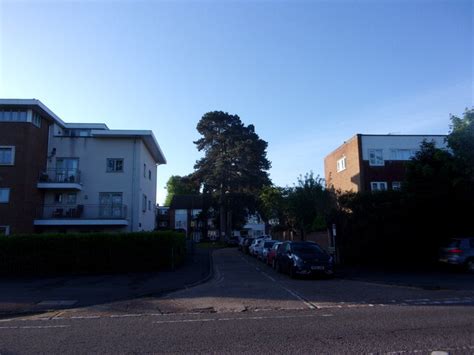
x,y
369,162
74,177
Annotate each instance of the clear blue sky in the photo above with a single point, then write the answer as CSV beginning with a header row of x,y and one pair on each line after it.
x,y
308,74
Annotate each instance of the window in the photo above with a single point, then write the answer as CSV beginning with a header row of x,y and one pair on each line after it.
x,y
58,198
396,185
4,195
144,203
378,186
71,198
111,205
149,205
4,230
7,155
36,120
149,174
13,115
66,170
402,154
341,164
144,170
114,165
376,157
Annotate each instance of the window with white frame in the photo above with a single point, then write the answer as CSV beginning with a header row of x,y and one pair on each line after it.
x,y
341,164
378,186
144,170
396,185
115,165
144,203
376,157
402,154
149,205
36,120
4,195
7,155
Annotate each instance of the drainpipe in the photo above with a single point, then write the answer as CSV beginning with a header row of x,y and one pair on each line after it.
x,y
134,169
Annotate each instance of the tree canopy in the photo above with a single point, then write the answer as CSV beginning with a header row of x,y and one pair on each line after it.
x,y
461,140
235,157
180,185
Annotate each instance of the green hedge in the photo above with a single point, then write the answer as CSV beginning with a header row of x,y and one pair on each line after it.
x,y
91,252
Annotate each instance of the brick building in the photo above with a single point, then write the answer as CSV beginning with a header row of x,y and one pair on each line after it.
x,y
371,162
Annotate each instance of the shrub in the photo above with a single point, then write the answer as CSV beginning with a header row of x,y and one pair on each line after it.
x,y
91,252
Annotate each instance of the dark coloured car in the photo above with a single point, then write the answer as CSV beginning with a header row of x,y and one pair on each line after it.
x,y
459,252
303,258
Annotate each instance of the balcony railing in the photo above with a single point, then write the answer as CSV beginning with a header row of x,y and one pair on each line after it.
x,y
58,175
115,211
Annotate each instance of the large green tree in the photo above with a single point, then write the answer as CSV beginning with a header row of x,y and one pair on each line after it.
x,y
235,164
461,141
180,185
308,204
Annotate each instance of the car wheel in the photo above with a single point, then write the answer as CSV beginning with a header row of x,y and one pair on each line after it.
x,y
470,266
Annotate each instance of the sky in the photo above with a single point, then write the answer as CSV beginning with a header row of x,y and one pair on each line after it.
x,y
308,74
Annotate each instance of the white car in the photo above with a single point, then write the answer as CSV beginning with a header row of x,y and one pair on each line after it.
x,y
256,247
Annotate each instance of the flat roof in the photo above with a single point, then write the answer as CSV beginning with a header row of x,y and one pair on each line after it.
x,y
97,129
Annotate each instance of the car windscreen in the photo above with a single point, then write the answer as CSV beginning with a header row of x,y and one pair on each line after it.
x,y
307,249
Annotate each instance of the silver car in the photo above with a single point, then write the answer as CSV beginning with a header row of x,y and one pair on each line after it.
x,y
459,252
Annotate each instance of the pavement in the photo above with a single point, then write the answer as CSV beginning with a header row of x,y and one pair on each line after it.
x,y
246,307
20,296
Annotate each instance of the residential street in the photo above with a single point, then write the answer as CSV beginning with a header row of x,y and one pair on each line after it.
x,y
247,307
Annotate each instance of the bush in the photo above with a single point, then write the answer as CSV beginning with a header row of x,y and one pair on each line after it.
x,y
91,252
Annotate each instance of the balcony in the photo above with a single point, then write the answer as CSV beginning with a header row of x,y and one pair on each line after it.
x,y
82,215
63,179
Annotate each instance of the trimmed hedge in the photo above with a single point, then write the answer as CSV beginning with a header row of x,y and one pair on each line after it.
x,y
90,252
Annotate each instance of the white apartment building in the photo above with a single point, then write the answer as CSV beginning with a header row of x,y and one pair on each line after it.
x,y
97,179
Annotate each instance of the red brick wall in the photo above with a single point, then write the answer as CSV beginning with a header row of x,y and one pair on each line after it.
x,y
348,179
390,172
31,144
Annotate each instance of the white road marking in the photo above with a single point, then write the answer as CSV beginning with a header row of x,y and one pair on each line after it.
x,y
240,318
125,315
36,327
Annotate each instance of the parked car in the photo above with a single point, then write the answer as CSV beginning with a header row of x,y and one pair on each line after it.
x,y
246,245
232,241
256,245
303,258
271,256
459,252
267,245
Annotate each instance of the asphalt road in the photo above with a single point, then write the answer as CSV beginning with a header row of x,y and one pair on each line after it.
x,y
248,308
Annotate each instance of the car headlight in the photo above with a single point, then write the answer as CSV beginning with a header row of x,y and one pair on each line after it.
x,y
298,260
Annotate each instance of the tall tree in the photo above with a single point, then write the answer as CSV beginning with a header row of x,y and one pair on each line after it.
x,y
308,204
461,141
235,160
180,185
